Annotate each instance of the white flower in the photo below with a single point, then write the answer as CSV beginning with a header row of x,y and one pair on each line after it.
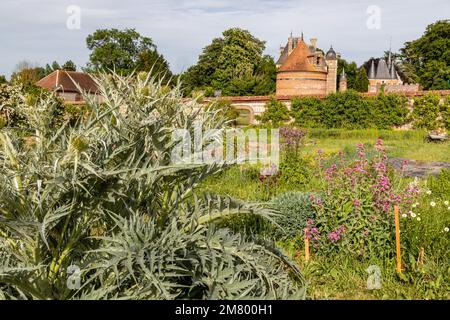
x,y
418,219
446,229
433,204
428,192
412,214
448,208
446,203
404,215
414,205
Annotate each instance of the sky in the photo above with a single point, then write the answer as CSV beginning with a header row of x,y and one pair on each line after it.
x,y
42,31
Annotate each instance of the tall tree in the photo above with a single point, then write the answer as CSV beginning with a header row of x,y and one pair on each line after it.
x,y
27,74
234,64
361,80
3,79
428,58
125,51
351,69
69,66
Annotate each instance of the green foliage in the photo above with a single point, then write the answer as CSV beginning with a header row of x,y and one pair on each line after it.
x,y
427,111
423,227
294,209
3,79
388,110
27,74
350,110
104,195
354,209
351,70
276,113
234,64
295,171
69,66
428,58
440,185
361,81
225,109
307,112
126,51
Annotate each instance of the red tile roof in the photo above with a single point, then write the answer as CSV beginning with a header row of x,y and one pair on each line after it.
x,y
298,59
65,81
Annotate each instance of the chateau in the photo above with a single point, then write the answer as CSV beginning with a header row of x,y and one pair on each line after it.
x,y
383,74
305,70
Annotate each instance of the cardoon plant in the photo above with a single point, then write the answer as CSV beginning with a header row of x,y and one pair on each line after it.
x,y
97,210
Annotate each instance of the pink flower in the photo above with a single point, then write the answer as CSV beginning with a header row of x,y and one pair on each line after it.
x,y
357,203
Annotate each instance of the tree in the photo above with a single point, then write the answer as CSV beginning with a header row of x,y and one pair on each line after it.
x,y
429,56
3,79
234,64
27,74
69,66
362,81
125,51
351,69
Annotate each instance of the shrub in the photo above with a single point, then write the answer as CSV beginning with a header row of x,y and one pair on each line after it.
x,y
388,110
354,215
295,209
440,185
426,111
275,114
308,112
294,169
350,110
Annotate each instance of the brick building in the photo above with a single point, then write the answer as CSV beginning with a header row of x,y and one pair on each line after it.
x,y
304,69
66,84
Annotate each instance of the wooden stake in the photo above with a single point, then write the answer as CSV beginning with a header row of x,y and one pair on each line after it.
x,y
307,254
397,240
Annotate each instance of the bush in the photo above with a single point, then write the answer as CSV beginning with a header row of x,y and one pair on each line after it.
x,y
350,110
354,215
426,112
275,114
440,185
295,209
307,112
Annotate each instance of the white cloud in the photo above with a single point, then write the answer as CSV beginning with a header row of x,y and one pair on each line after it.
x,y
36,30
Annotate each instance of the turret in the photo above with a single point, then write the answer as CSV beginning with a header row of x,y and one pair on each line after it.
x,y
331,60
343,81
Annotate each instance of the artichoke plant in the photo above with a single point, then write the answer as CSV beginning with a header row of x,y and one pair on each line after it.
x,y
97,209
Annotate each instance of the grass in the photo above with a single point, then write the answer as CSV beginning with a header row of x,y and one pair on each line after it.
x,y
403,144
344,277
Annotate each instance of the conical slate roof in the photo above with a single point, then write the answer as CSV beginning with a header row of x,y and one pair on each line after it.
x,y
382,70
393,72
331,54
298,59
343,75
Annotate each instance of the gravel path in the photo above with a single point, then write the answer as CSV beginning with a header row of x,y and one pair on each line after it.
x,y
418,169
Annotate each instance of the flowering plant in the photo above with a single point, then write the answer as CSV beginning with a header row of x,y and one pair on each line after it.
x,y
354,212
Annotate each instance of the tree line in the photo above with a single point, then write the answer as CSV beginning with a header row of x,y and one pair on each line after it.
x,y
235,63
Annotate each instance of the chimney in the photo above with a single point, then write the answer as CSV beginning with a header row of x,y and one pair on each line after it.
x,y
313,42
